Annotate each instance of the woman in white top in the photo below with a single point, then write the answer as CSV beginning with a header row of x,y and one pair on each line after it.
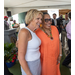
x,y
28,44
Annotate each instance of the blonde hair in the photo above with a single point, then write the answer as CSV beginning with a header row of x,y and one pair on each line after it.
x,y
31,14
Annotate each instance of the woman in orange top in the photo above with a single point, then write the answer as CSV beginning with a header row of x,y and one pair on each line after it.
x,y
50,48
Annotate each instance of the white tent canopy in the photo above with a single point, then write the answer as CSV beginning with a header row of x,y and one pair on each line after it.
x,y
18,6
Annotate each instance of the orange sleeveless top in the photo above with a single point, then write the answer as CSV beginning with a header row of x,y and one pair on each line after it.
x,y
49,50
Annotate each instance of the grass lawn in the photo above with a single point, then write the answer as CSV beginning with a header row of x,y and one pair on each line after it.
x,y
64,70
17,71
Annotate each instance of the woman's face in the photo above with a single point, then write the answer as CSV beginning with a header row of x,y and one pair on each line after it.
x,y
37,21
47,21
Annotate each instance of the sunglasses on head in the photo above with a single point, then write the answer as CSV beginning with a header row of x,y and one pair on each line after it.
x,y
46,20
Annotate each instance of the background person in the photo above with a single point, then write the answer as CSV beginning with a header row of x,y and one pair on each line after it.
x,y
6,25
56,22
16,25
28,44
68,30
60,22
63,33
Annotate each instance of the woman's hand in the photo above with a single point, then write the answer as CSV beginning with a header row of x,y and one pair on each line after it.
x,y
29,74
59,57
58,60
17,43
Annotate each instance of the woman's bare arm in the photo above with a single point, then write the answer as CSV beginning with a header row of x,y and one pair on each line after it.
x,y
22,47
60,52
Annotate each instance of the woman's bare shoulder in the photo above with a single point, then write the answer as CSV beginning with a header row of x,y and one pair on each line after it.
x,y
23,32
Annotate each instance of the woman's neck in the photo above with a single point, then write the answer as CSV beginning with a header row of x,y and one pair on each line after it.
x,y
31,27
46,29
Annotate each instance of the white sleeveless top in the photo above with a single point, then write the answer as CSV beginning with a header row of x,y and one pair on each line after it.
x,y
32,52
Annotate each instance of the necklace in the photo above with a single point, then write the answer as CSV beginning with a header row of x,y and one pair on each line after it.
x,y
50,36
